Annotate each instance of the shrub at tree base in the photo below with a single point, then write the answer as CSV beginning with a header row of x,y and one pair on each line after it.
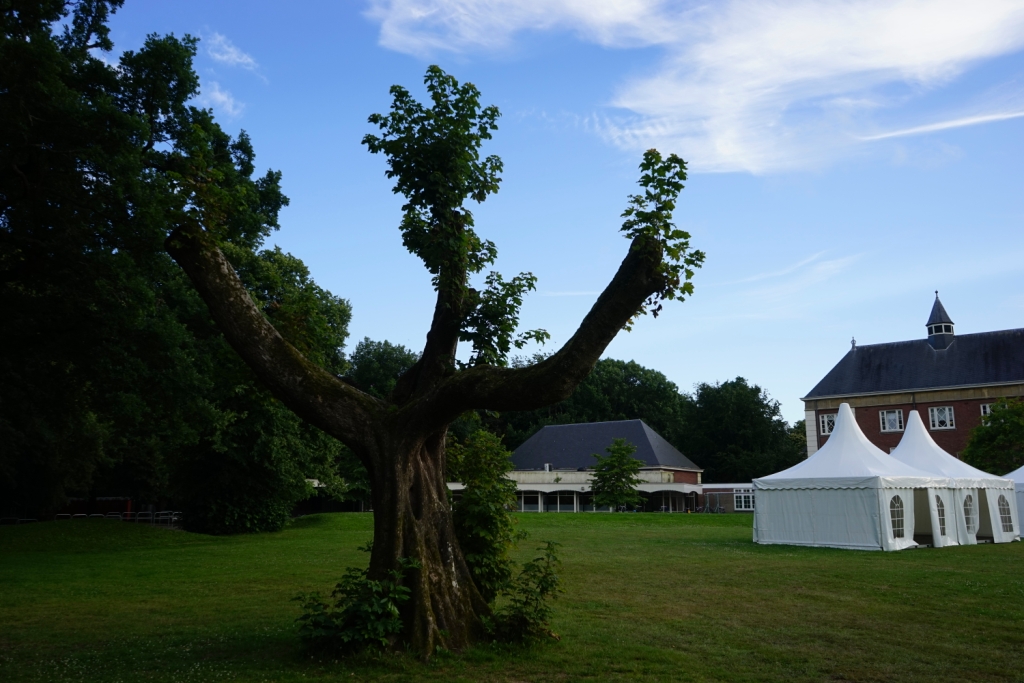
x,y
365,613
524,617
483,518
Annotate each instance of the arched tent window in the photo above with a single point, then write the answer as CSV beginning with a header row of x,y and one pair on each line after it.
x,y
896,514
942,515
969,513
1004,514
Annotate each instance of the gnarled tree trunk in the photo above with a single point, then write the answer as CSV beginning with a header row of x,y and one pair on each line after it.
x,y
401,441
413,519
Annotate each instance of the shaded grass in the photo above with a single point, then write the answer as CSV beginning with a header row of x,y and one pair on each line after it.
x,y
649,597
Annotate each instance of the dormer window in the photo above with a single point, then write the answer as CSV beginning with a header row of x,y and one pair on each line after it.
x,y
940,329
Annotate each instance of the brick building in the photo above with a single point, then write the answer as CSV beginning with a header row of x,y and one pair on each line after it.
x,y
951,380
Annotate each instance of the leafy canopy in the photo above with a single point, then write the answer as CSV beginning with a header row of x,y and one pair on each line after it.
x,y
650,215
615,476
433,154
483,518
997,445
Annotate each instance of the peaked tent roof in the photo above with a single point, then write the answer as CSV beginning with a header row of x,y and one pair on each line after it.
x,y
849,461
918,449
1017,476
938,314
572,446
969,360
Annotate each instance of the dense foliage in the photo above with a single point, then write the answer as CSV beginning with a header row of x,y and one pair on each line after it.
x,y
484,523
616,477
735,431
997,445
113,378
615,390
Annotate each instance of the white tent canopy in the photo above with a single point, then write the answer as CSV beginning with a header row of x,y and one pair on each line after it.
x,y
981,504
849,494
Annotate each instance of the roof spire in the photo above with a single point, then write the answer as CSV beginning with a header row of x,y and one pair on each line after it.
x,y
940,325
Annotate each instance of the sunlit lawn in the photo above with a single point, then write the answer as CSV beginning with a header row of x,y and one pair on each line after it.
x,y
649,597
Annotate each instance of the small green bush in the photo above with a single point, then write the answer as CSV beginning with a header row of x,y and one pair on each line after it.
x,y
365,613
524,615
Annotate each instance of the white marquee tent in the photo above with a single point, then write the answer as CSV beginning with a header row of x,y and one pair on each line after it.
x,y
1017,477
978,504
849,494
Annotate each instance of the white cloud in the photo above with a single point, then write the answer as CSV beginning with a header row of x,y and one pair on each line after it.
x,y
212,95
748,85
945,125
224,51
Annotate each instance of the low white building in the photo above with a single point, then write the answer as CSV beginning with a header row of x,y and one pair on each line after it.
x,y
552,468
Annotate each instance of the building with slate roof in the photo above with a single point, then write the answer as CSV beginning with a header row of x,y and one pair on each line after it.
x,y
952,380
553,468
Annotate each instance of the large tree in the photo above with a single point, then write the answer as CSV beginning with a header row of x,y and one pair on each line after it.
x,y
113,378
433,157
735,431
997,444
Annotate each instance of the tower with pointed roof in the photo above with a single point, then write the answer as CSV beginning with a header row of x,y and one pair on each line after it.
x,y
952,380
940,326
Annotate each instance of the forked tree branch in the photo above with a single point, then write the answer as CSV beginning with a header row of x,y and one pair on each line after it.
x,y
311,392
554,379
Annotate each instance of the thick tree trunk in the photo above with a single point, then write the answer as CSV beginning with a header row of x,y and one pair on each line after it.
x,y
412,518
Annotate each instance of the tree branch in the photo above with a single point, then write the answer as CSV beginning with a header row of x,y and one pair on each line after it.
x,y
311,392
554,379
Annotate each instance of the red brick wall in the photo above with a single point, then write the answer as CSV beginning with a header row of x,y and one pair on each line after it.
x,y
966,416
686,477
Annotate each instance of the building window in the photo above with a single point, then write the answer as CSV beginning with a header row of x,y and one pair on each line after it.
x,y
892,420
896,515
986,409
941,417
828,423
1004,515
969,513
743,499
940,329
942,515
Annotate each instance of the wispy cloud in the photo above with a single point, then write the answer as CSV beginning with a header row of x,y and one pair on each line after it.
x,y
777,273
945,125
750,85
222,50
212,95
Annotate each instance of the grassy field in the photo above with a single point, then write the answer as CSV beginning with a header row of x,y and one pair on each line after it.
x,y
649,598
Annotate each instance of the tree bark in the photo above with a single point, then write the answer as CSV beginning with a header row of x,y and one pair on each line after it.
x,y
413,519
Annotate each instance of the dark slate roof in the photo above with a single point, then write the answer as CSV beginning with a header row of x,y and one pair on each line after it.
x,y
969,360
573,446
939,314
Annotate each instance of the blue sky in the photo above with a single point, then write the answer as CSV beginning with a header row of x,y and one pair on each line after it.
x,y
847,159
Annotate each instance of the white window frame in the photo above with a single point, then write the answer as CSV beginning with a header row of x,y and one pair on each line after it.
x,y
823,421
940,509
896,517
941,328
743,500
884,422
933,420
986,409
969,519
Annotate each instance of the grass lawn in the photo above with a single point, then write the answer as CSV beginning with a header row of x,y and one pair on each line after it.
x,y
649,598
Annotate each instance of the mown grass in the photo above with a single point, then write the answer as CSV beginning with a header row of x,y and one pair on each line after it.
x,y
649,598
